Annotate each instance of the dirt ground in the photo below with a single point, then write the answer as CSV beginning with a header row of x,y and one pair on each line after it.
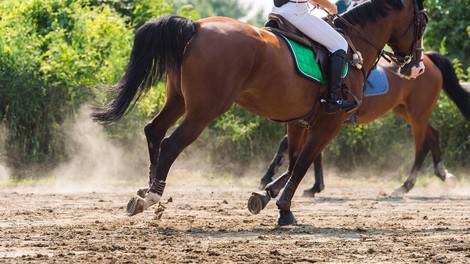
x,y
350,222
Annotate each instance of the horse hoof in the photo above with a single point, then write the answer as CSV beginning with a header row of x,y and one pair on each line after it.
x,y
309,193
451,180
142,191
399,192
286,217
135,206
257,201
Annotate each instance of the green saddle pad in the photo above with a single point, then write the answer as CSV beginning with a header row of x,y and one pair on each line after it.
x,y
305,61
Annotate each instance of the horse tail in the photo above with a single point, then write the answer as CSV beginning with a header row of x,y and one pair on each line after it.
x,y
452,87
158,48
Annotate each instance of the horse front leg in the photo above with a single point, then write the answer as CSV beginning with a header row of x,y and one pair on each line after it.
x,y
317,139
259,200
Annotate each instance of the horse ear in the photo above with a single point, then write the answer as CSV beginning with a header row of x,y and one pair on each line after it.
x,y
421,4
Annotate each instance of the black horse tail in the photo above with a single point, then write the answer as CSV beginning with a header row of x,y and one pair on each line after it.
x,y
452,87
158,48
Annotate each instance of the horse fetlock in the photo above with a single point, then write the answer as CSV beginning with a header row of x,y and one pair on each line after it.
x,y
284,201
263,182
283,204
272,189
137,204
409,184
441,171
151,199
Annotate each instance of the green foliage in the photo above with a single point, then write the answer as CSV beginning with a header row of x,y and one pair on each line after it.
x,y
137,11
454,132
384,144
245,135
449,27
52,52
207,8
57,54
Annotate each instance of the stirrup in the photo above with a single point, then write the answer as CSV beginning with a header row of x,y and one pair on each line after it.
x,y
333,106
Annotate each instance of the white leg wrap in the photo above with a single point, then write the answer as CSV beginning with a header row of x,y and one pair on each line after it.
x,y
151,199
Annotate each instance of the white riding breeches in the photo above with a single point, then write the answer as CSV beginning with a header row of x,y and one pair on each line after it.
x,y
314,27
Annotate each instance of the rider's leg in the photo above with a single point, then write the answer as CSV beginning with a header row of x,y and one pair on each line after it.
x,y
335,100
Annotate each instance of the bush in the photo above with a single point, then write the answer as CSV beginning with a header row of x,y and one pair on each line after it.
x,y
448,30
53,52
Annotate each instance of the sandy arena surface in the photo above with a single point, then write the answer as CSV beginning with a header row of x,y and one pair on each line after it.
x,y
350,222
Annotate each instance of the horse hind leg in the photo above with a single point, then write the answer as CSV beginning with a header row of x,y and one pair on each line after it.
x,y
431,143
275,164
319,184
440,171
156,129
170,148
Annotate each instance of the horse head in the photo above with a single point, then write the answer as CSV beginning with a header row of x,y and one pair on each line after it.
x,y
398,23
407,41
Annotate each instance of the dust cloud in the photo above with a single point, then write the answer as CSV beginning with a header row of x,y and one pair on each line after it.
x,y
101,164
4,172
97,163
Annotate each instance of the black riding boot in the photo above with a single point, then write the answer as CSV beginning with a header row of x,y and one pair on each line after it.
x,y
335,100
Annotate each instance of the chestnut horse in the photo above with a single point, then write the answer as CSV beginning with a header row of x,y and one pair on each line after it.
x,y
211,63
413,101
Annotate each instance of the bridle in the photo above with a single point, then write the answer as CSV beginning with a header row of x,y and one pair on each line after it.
x,y
402,59
420,20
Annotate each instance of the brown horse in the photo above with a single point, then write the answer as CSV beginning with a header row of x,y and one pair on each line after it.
x,y
413,101
211,63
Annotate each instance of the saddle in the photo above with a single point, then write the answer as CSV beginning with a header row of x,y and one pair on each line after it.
x,y
280,26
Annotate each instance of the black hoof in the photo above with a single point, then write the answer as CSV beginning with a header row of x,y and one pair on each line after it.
x,y
263,183
286,217
257,201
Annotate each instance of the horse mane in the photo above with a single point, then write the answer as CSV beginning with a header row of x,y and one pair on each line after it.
x,y
369,12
